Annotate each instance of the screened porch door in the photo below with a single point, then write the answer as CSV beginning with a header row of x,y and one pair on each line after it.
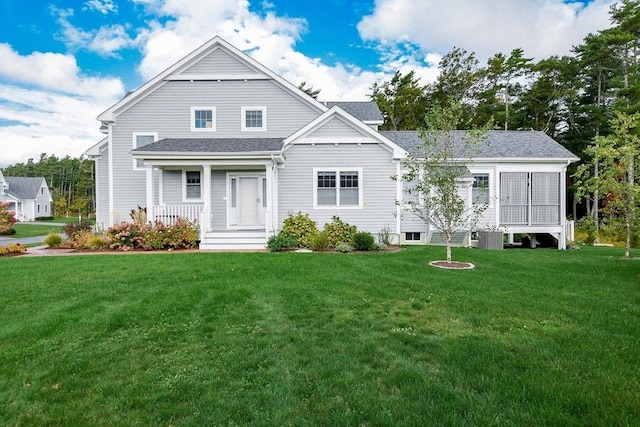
x,y
247,201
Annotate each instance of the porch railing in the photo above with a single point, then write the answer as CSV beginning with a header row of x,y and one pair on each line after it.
x,y
168,214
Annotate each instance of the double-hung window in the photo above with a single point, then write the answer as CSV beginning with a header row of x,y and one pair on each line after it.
x,y
254,118
338,187
192,185
203,119
140,139
480,189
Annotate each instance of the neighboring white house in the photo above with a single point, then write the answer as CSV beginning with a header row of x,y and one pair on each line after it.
x,y
28,197
219,138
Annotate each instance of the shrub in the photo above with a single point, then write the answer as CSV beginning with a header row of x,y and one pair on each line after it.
x,y
587,226
8,232
52,240
384,236
182,235
94,242
301,227
340,231
320,242
7,219
363,241
88,240
13,248
73,229
44,218
126,236
343,247
281,241
613,230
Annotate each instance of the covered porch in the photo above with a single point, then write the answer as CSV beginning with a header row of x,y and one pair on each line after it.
x,y
231,197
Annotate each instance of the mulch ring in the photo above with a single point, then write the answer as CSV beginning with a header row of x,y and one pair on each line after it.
x,y
452,265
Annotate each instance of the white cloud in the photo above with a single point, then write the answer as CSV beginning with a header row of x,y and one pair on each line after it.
x,y
268,38
103,6
541,27
106,41
48,106
46,122
62,74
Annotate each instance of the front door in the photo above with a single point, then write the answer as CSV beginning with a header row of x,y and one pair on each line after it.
x,y
247,200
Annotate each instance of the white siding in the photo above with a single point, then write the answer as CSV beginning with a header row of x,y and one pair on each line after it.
x,y
296,184
219,62
336,128
168,112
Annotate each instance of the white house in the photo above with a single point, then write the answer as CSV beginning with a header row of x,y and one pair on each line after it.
x,y
28,197
219,138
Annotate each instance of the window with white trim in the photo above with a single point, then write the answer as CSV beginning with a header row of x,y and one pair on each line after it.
x,y
192,185
254,118
338,187
480,189
140,139
203,119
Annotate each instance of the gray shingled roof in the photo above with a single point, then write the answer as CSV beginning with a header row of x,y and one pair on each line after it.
x,y
499,144
213,145
366,111
23,188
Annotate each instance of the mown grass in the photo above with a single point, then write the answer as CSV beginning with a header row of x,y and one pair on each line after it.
x,y
529,337
24,230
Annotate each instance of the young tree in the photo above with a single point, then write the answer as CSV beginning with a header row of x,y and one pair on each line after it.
x,y
436,172
617,155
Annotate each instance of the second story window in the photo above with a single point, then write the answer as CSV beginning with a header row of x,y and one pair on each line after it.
x,y
203,119
254,118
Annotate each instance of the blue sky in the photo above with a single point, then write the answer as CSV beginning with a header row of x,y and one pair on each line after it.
x,y
62,62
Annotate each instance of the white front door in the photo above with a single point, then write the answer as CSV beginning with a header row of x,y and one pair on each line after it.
x,y
247,202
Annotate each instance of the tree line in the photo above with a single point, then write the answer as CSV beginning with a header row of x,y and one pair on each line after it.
x,y
71,182
573,98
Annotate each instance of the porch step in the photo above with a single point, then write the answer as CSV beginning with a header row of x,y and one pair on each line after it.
x,y
234,240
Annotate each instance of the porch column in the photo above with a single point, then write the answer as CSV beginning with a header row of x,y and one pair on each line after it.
x,y
149,186
271,198
206,189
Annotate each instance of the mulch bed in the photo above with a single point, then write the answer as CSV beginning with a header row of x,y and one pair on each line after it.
x,y
452,265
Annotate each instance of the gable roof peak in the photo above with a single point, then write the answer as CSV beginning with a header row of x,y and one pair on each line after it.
x,y
192,58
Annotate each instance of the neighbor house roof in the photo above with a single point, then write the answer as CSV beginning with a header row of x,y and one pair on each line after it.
x,y
23,188
367,111
498,145
212,145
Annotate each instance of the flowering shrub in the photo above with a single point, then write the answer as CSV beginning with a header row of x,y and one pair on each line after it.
x,y
127,236
13,248
7,219
301,227
182,235
339,231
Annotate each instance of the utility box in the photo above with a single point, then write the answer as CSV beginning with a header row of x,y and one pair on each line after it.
x,y
490,239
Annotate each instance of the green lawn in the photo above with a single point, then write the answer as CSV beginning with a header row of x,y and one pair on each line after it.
x,y
32,230
527,338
